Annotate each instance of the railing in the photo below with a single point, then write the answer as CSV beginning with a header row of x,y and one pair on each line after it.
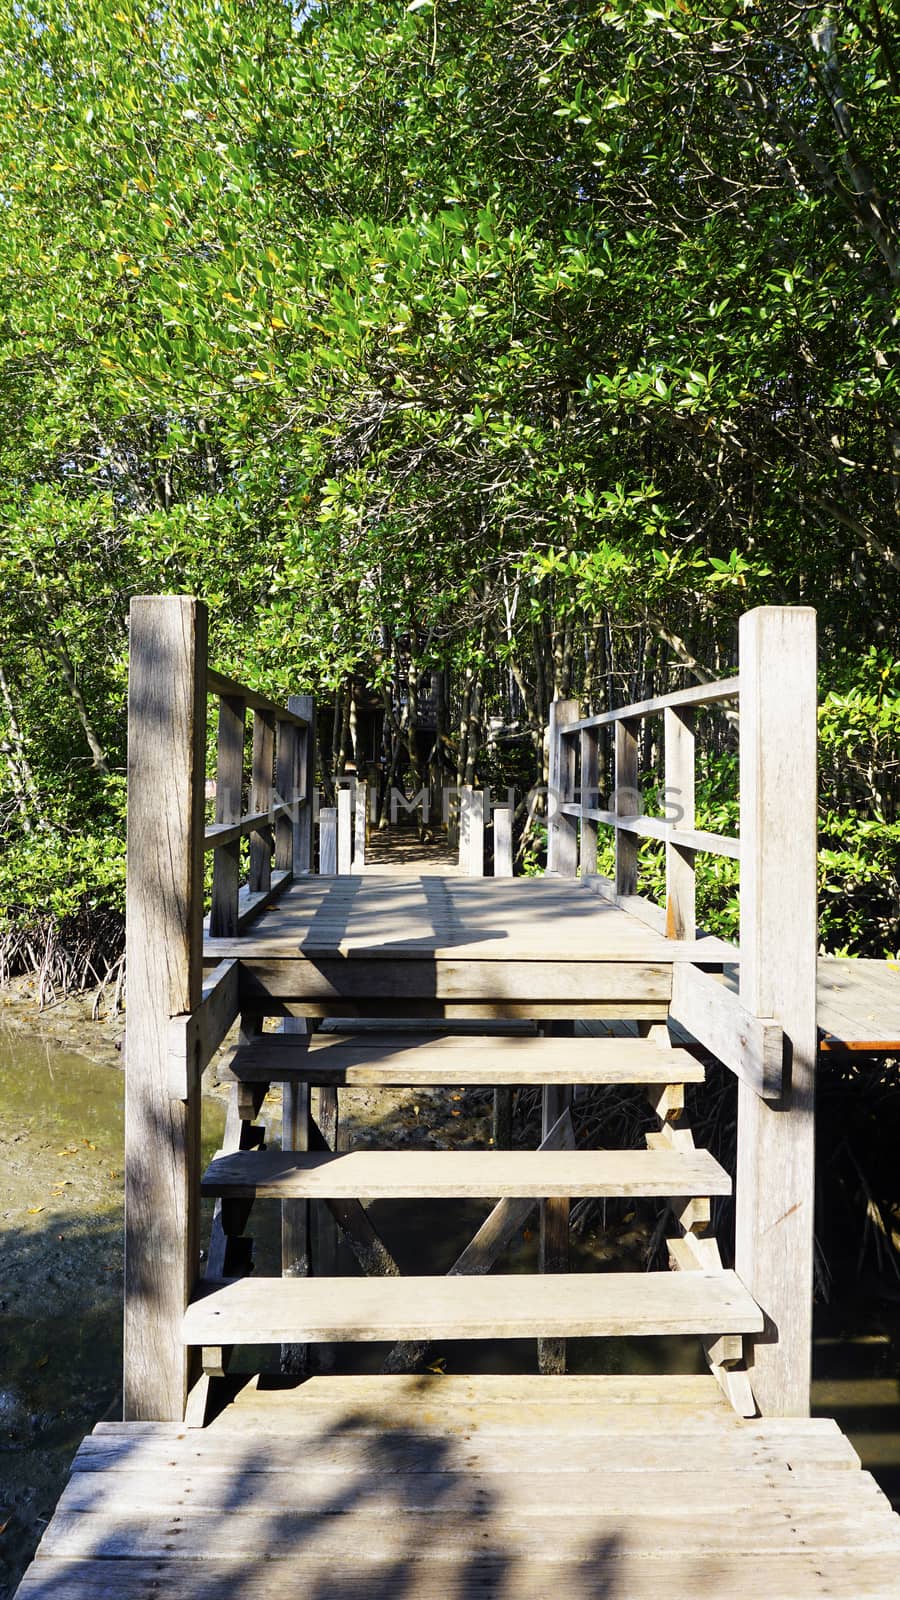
x,y
765,1030
574,767
279,820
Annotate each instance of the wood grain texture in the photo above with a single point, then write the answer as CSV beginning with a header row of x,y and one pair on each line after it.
x,y
562,830
466,1174
775,1187
262,783
712,1013
164,908
681,913
275,1311
229,804
627,800
304,705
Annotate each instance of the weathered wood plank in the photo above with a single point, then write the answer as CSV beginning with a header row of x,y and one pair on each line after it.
x,y
304,706
166,780
262,781
277,1311
775,1187
681,914
194,1038
464,1174
471,831
751,1047
422,978
229,793
627,800
562,830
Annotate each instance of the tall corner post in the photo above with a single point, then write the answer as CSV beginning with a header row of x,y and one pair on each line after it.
x,y
779,937
164,938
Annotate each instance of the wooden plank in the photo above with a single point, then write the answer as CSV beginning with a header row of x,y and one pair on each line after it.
x,y
701,694
413,1059
304,707
858,1005
194,1038
627,798
262,780
781,1576
562,830
440,979
471,831
443,1534
712,1013
328,841
229,799
681,913
164,910
609,1304
711,844
622,1445
465,1174
218,683
775,1186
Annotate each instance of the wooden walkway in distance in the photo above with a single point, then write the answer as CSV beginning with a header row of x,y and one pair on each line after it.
x,y
481,1488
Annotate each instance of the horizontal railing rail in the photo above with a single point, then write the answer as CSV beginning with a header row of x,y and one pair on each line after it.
x,y
700,694
217,683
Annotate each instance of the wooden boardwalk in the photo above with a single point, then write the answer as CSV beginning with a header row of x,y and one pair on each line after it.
x,y
606,1488
649,1487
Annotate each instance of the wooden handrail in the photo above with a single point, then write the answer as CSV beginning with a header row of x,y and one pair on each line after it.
x,y
218,683
702,694
219,834
713,844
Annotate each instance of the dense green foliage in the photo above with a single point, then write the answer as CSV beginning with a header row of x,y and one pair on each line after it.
x,y
533,342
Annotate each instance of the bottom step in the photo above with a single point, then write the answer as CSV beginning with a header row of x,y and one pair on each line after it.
x,y
516,1306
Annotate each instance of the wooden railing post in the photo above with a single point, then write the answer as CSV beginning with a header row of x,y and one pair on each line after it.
x,y
344,830
562,831
304,705
166,760
471,831
261,791
223,916
775,1167
626,799
286,790
681,914
590,800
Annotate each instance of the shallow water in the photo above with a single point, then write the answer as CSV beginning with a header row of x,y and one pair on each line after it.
x,y
61,1215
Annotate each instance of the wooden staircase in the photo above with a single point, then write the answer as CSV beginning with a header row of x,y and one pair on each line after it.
x,y
468,1304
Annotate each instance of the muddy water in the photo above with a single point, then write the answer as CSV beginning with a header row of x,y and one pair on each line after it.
x,y
61,1214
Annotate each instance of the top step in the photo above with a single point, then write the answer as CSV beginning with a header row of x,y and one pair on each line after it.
x,y
407,1060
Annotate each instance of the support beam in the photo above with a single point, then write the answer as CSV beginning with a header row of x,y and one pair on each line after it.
x,y
164,911
775,1168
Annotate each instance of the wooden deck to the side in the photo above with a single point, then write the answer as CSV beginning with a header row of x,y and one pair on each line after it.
x,y
475,1488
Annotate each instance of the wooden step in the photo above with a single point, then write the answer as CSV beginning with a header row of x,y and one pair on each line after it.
x,y
464,1174
404,1060
511,1306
